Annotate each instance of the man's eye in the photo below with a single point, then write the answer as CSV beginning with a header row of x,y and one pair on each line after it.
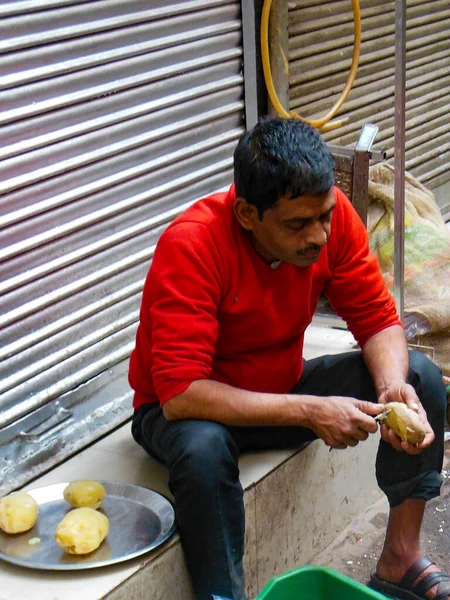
x,y
296,226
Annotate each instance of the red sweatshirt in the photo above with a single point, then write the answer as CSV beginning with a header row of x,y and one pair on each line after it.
x,y
212,308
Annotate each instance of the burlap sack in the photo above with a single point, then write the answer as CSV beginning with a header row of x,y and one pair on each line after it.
x,y
427,257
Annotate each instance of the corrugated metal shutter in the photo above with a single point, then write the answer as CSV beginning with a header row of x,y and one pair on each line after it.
x,y
115,116
319,54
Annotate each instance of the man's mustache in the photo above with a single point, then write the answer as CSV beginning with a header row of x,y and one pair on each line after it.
x,y
309,249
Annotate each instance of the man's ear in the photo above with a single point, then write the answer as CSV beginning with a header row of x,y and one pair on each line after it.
x,y
246,213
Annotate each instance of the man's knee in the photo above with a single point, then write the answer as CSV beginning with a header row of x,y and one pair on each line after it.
x,y
427,378
206,451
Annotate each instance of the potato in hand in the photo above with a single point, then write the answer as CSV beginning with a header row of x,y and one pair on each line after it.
x,y
85,493
18,512
403,421
82,530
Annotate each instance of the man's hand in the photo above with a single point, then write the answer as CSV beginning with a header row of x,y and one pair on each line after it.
x,y
342,421
405,393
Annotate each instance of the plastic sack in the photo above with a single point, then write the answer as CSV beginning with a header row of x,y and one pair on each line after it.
x,y
415,324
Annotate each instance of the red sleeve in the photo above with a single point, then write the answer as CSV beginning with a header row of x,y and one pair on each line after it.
x,y
356,289
185,293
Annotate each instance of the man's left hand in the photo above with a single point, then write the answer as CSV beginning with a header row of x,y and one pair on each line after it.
x,y
405,393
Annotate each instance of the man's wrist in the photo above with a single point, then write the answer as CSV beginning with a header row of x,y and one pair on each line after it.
x,y
386,388
303,410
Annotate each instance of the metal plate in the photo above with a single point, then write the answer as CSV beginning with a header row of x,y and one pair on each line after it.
x,y
139,520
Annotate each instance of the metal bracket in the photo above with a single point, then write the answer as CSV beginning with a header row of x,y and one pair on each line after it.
x,y
361,169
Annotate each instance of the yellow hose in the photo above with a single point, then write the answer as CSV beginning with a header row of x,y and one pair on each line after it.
x,y
321,123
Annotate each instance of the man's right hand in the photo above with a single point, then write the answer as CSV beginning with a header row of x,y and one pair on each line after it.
x,y
341,422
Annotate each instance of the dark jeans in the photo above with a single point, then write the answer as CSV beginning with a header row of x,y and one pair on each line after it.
x,y
202,457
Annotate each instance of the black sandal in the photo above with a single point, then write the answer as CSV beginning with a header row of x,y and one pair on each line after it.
x,y
406,590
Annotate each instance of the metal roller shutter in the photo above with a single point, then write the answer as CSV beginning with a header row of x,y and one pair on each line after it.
x,y
319,51
115,117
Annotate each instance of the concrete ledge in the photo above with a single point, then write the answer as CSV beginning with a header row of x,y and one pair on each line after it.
x,y
300,507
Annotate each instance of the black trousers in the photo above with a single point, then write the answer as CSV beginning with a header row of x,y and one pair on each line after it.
x,y
202,458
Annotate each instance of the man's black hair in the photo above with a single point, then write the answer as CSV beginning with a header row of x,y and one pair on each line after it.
x,y
281,157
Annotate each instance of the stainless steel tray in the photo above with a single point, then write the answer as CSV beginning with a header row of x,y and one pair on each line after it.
x,y
139,521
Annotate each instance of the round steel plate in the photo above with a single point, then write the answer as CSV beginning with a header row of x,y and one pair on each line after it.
x,y
140,520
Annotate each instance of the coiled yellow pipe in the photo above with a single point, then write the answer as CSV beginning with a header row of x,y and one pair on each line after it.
x,y
323,122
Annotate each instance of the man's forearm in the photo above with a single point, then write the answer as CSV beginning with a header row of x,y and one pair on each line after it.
x,y
386,357
339,421
215,401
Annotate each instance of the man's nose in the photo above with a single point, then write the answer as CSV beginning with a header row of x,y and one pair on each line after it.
x,y
317,234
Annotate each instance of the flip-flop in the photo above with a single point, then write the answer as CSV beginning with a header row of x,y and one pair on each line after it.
x,y
406,590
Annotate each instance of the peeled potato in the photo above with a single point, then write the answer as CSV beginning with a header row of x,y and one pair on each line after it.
x,y
82,530
85,493
404,422
18,512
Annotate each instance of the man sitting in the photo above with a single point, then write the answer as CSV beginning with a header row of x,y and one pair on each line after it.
x,y
218,366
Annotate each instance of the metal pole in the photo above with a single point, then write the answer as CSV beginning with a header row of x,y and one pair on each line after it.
x,y
399,154
250,66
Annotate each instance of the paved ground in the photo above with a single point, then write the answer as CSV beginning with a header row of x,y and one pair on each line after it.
x,y
356,551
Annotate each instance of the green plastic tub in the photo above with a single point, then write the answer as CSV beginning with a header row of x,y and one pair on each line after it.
x,y
316,583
